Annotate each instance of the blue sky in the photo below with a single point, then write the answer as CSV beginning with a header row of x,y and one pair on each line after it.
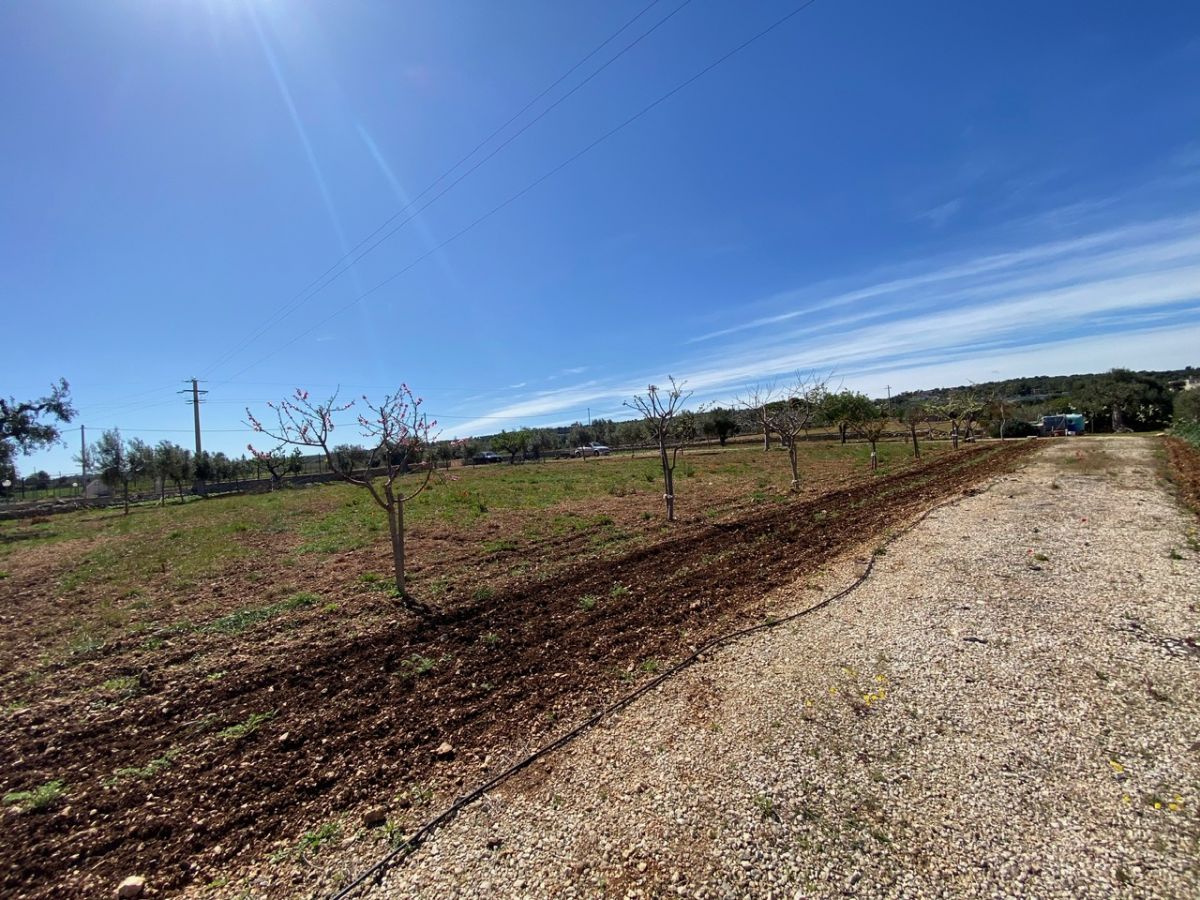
x,y
904,194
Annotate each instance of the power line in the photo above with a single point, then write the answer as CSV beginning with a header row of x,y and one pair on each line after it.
x,y
320,283
537,181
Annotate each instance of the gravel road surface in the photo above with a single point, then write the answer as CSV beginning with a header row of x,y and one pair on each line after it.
x,y
1009,706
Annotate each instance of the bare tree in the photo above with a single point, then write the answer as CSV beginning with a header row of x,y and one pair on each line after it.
x,y
397,431
668,427
794,413
973,407
757,402
1001,409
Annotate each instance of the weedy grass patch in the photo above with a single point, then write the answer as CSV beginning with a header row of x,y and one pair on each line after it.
x,y
37,799
237,622
245,728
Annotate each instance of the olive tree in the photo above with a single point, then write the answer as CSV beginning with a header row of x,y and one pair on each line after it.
x,y
121,463
838,412
512,443
171,463
721,424
396,431
30,425
668,426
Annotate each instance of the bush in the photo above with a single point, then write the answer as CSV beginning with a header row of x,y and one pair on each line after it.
x,y
1015,428
1187,406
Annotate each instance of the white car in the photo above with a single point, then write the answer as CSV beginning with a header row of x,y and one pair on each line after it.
x,y
592,449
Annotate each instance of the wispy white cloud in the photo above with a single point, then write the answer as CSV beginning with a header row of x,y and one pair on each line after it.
x,y
942,213
1121,296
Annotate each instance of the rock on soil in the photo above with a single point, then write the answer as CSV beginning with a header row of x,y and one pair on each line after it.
x,y
1008,707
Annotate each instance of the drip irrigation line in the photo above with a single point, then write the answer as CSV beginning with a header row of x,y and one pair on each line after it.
x,y
413,843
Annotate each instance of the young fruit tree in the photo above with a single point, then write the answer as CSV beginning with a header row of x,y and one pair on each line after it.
x,y
669,427
959,407
1001,410
396,430
869,423
791,417
757,402
914,413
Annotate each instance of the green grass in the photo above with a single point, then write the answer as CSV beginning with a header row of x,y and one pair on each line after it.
x,y
146,772
417,665
122,684
312,841
237,622
246,728
37,799
139,572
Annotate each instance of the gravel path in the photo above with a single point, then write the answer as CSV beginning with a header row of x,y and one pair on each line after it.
x,y
1010,706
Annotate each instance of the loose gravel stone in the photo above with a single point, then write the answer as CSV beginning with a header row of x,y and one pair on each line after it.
x,y
1006,708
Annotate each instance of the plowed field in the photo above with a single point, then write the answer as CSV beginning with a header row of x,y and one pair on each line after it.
x,y
193,761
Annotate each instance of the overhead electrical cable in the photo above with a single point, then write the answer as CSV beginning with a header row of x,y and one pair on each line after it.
x,y
357,252
535,183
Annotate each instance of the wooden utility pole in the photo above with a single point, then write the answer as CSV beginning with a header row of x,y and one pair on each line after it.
x,y
83,455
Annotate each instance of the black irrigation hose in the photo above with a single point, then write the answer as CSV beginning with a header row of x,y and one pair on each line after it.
x,y
421,834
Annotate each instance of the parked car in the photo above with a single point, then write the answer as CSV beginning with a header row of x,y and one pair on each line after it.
x,y
487,456
592,449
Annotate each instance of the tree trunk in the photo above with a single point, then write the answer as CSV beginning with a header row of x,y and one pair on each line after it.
x,y
162,492
766,436
874,457
396,529
842,431
668,479
793,453
127,498
916,446
954,435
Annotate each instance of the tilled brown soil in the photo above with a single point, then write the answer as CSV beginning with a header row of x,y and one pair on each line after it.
x,y
355,716
1184,461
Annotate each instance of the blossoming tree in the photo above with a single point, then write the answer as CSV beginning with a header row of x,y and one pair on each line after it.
x,y
395,429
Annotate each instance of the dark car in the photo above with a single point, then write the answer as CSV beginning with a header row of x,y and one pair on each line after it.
x,y
487,456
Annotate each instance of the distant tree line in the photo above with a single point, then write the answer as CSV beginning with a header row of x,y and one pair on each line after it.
x,y
1117,400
